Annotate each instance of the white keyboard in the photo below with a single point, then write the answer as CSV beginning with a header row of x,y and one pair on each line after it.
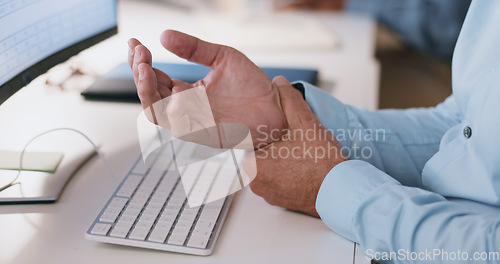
x,y
150,208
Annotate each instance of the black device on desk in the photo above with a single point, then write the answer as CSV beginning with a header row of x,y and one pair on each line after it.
x,y
118,85
34,37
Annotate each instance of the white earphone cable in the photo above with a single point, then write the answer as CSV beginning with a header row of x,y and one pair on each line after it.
x,y
13,182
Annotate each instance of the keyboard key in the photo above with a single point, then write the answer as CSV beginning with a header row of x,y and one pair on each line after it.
x,y
152,179
146,191
196,200
201,233
167,216
109,218
116,206
139,203
164,224
118,232
204,225
165,187
216,204
154,206
193,210
158,235
198,241
176,240
141,196
100,229
118,202
135,207
129,185
175,202
125,192
158,200
190,175
123,225
147,218
210,214
183,225
146,225
140,167
139,233
162,163
131,214
179,193
127,219
112,211
200,190
153,211
221,186
171,211
187,219
180,232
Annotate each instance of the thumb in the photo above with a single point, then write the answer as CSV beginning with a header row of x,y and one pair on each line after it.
x,y
296,110
192,49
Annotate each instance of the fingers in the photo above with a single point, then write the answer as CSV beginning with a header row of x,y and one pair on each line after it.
x,y
165,83
141,55
193,49
132,43
295,108
146,85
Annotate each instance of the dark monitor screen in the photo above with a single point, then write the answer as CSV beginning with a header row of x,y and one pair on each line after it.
x,y
36,35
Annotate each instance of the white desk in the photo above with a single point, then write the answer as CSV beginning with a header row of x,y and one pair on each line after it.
x,y
255,232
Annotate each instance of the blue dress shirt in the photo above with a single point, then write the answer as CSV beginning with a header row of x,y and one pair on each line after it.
x,y
422,181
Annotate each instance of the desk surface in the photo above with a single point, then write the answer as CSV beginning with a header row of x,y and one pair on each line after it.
x,y
254,232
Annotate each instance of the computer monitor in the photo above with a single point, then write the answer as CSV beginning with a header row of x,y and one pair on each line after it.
x,y
36,35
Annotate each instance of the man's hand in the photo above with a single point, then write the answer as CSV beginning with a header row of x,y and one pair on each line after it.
x,y
290,172
238,90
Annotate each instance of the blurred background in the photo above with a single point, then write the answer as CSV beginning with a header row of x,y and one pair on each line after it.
x,y
414,39
415,71
412,50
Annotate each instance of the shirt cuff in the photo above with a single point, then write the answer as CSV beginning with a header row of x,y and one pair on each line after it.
x,y
342,192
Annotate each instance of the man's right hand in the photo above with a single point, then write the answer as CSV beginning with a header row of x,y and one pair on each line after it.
x,y
238,90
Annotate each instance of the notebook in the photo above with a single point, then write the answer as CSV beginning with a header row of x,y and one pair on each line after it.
x,y
118,84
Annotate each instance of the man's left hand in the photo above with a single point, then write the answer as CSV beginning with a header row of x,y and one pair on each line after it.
x,y
290,171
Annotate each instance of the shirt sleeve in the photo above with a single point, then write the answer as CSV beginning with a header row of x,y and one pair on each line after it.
x,y
431,26
397,142
365,205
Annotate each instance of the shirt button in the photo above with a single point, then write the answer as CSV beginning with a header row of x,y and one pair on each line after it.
x,y
467,132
